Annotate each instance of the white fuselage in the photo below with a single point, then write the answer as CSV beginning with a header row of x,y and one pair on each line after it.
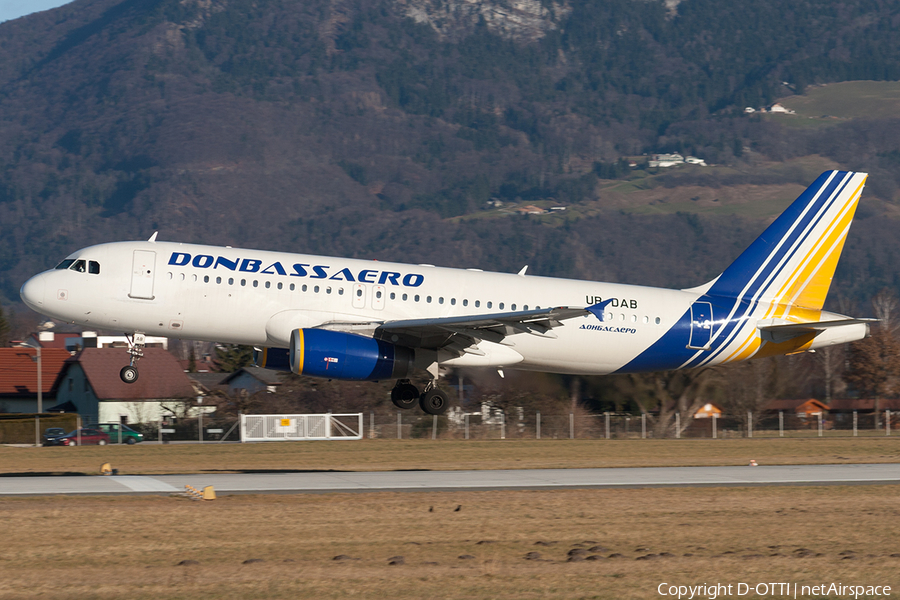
x,y
258,298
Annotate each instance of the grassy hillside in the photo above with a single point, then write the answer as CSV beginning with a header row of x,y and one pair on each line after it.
x,y
375,128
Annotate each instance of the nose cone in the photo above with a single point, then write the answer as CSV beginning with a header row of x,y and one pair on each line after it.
x,y
32,293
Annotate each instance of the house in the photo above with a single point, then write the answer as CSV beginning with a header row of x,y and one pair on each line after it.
x,y
252,379
89,384
707,411
530,209
18,378
803,408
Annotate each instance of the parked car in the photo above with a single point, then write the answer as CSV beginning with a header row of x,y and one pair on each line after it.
x,y
129,435
87,437
52,432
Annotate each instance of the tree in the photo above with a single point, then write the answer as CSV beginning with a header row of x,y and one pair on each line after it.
x,y
874,364
5,329
682,392
232,357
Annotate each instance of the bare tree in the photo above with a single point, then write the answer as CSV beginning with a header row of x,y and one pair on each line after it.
x,y
670,392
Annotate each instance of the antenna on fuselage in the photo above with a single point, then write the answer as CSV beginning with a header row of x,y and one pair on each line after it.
x,y
153,237
522,272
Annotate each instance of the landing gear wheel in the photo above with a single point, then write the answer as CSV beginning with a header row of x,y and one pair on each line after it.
x,y
434,401
404,394
128,374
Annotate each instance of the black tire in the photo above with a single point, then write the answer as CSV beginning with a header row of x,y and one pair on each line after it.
x,y
404,395
434,401
130,441
128,374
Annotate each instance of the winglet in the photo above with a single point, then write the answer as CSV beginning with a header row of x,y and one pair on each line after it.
x,y
152,239
598,309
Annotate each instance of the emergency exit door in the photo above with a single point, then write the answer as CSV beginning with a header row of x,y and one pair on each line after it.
x,y
142,274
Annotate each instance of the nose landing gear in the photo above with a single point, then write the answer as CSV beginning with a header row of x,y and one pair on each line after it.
x,y
136,343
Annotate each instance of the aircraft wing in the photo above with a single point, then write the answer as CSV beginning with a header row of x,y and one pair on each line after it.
x,y
460,334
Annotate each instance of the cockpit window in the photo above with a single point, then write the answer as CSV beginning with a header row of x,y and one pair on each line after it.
x,y
65,264
93,267
78,266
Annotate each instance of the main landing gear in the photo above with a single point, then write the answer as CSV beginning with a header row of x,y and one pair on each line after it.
x,y
129,373
433,400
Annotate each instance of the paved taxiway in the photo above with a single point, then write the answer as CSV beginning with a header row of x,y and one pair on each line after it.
x,y
336,481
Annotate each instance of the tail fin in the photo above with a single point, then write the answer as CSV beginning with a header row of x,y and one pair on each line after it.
x,y
792,263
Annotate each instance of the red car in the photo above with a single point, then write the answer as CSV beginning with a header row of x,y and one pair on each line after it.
x,y
87,437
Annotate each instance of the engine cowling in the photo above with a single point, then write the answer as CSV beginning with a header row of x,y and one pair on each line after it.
x,y
276,359
339,355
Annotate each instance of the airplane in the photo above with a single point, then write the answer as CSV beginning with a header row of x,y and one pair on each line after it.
x,y
369,320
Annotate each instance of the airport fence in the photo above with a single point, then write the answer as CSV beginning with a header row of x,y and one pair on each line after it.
x,y
518,424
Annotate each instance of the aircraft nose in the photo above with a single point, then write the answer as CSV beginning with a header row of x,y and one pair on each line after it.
x,y
32,292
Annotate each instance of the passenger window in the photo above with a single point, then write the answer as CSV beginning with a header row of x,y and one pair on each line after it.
x,y
304,288
525,307
231,281
490,304
194,278
417,298
393,296
328,290
501,306
657,320
78,266
634,318
169,274
646,319
513,307
292,287
405,296
452,301
340,291
243,282
441,300
359,292
206,279
477,303
608,317
65,264
316,289
255,283
428,299
182,276
268,284
465,302
280,285
378,294
94,267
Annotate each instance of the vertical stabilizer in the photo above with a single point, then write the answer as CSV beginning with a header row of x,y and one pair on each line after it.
x,y
792,263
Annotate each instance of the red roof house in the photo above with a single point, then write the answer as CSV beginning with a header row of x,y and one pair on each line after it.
x,y
90,381
18,377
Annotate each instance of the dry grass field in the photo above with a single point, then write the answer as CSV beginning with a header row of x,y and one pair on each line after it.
x,y
387,455
285,546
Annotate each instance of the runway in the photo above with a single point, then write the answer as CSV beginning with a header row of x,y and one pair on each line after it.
x,y
407,481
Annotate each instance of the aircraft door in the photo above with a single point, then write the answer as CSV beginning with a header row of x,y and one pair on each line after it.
x,y
359,295
701,325
378,297
142,274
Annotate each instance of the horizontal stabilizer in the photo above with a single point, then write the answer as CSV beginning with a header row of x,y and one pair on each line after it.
x,y
781,332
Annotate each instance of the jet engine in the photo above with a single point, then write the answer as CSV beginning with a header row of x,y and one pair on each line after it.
x,y
338,355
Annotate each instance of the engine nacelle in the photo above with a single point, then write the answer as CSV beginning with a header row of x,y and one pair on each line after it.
x,y
339,355
276,359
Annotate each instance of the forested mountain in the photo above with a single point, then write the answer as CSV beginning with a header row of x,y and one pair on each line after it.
x,y
380,128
